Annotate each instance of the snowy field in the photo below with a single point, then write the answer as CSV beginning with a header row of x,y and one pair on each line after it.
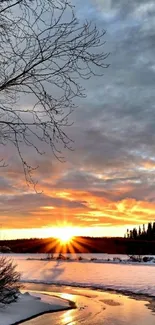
x,y
135,278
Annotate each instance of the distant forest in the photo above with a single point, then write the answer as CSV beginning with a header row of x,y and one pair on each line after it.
x,y
140,240
112,245
146,232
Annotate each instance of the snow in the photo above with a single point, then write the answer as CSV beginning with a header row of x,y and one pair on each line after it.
x,y
87,256
28,306
135,278
115,275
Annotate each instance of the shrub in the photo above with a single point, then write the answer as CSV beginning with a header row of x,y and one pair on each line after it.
x,y
9,281
136,258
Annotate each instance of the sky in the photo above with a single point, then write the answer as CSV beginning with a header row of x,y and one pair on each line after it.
x,y
107,184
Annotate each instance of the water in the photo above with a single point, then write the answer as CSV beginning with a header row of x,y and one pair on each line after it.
x,y
96,308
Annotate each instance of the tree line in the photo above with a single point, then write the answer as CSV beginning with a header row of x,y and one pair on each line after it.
x,y
143,232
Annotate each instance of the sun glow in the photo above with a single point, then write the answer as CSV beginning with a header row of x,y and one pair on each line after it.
x,y
65,234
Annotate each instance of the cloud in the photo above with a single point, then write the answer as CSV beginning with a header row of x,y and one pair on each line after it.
x,y
109,177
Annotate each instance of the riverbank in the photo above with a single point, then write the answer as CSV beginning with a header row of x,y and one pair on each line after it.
x,y
93,306
104,277
96,307
29,306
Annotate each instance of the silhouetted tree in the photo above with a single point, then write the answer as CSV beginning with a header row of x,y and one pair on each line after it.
x,y
139,232
134,233
149,231
153,230
144,232
127,233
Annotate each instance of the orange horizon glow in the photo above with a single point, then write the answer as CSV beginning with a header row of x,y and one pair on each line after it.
x,y
94,212
58,232
85,214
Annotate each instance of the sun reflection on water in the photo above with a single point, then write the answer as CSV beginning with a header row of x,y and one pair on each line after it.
x,y
67,317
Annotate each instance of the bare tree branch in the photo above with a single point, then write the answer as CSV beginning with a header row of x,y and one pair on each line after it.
x,y
44,52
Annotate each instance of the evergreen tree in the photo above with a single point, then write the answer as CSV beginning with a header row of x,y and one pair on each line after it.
x,y
149,231
153,230
144,232
134,233
131,233
128,233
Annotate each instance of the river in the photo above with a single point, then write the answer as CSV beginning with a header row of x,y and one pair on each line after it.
x,y
95,307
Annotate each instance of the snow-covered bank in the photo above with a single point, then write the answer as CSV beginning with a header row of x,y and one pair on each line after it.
x,y
88,258
136,277
133,278
116,260
29,306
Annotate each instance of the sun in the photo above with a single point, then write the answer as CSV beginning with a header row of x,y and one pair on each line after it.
x,y
65,238
65,235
